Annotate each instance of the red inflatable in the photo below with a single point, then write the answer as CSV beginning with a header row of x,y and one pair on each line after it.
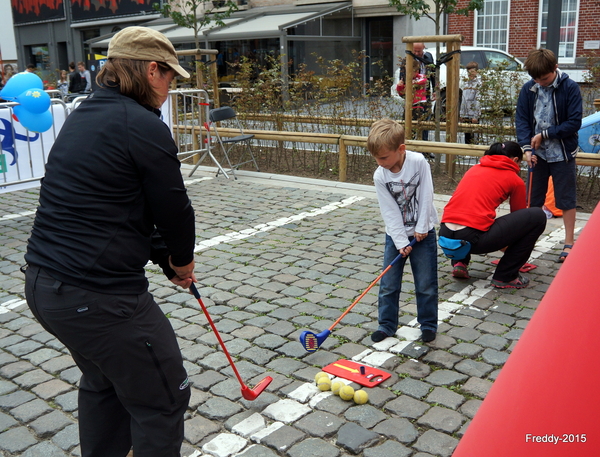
x,y
546,400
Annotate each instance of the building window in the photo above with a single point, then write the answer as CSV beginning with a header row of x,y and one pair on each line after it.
x,y
492,25
568,29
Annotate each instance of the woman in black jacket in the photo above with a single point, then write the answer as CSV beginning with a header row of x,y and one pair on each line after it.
x,y
112,199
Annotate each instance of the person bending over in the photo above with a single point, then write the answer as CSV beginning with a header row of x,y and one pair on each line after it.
x,y
470,215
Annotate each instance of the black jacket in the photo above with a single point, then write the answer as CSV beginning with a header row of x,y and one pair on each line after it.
x,y
112,177
76,84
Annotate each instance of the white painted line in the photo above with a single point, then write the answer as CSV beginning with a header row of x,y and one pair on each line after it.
x,y
11,304
189,182
7,217
460,300
246,233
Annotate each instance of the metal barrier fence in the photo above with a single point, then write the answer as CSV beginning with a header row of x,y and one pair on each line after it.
x,y
187,111
23,154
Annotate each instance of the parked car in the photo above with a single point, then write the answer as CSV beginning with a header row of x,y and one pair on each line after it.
x,y
508,69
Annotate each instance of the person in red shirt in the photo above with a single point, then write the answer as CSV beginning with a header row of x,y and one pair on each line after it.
x,y
470,215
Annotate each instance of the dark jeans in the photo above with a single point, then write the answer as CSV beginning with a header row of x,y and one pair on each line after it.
x,y
518,232
133,389
423,263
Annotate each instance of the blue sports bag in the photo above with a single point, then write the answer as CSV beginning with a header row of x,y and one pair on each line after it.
x,y
454,249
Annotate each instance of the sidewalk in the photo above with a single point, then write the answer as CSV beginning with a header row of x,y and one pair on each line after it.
x,y
277,255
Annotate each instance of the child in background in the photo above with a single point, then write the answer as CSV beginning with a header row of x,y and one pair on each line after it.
x,y
405,193
419,92
470,108
419,89
63,84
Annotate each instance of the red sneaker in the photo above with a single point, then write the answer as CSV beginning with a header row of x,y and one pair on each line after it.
x,y
518,283
460,271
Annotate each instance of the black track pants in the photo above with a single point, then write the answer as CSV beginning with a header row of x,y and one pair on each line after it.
x,y
134,388
519,231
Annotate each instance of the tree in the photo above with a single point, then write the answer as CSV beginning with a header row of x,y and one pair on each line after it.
x,y
421,8
185,13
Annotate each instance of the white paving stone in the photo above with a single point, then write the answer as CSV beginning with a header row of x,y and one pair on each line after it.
x,y
364,353
450,307
314,401
442,316
400,347
286,411
385,344
250,425
257,437
376,359
408,333
304,393
196,453
225,445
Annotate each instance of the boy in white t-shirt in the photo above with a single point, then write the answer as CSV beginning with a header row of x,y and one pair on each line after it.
x,y
405,193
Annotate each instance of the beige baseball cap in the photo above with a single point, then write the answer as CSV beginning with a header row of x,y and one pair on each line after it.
x,y
143,43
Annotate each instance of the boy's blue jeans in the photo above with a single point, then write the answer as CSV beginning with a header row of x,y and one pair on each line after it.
x,y
423,262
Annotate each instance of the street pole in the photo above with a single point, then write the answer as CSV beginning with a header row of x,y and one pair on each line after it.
x,y
553,25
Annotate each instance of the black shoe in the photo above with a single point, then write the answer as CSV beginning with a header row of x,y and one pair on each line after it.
x,y
378,336
427,336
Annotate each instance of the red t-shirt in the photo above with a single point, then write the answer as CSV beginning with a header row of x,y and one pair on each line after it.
x,y
482,189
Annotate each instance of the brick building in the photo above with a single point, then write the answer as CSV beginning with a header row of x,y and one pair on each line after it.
x,y
517,26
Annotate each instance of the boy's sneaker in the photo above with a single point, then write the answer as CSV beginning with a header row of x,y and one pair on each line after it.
x,y
427,336
378,336
518,283
460,271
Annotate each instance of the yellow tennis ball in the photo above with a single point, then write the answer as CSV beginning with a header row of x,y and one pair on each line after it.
x,y
347,393
320,374
324,383
361,397
336,386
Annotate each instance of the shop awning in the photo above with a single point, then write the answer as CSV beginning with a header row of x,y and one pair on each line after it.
x,y
102,42
255,23
270,23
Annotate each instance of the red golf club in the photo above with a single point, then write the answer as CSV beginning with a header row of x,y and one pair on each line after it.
x,y
247,393
312,341
529,184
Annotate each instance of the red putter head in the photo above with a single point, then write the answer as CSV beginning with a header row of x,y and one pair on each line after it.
x,y
251,394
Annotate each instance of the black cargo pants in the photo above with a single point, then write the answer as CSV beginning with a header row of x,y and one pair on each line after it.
x,y
134,388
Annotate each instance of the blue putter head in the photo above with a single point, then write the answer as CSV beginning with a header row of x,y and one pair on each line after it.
x,y
311,341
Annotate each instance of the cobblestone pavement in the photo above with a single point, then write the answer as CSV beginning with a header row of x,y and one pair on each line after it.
x,y
275,256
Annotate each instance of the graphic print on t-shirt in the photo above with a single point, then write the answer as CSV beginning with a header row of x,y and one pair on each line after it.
x,y
405,194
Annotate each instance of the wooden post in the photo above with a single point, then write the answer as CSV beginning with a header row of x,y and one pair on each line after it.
x,y
343,160
198,53
408,91
452,101
215,84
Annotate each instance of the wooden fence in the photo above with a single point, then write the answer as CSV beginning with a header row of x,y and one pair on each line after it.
x,y
451,150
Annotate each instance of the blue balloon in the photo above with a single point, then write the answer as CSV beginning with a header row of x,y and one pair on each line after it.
x,y
34,100
19,83
35,122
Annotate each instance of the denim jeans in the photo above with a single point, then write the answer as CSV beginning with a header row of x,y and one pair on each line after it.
x,y
423,262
